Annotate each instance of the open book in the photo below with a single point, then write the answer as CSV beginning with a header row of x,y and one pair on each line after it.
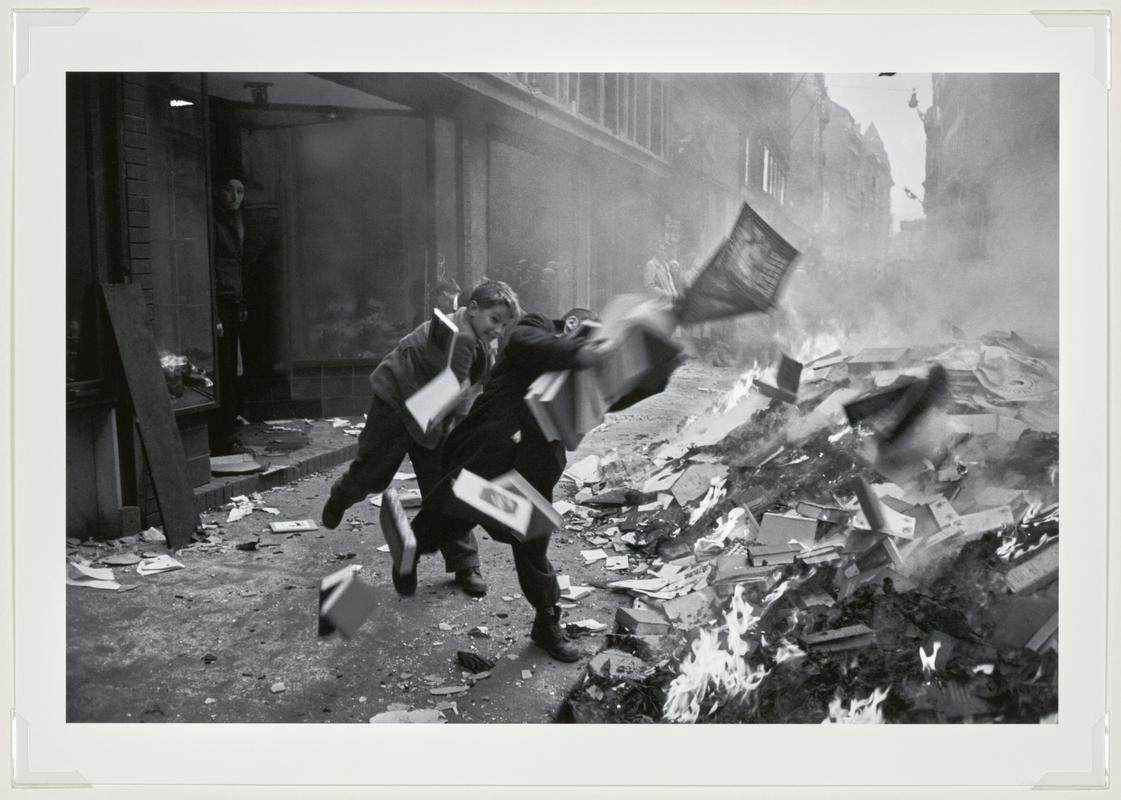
x,y
433,401
544,518
492,505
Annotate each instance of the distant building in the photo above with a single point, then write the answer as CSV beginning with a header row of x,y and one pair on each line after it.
x,y
907,244
840,177
992,172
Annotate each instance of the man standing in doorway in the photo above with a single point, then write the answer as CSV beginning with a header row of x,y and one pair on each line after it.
x,y
229,258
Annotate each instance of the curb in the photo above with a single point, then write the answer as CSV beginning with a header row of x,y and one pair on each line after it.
x,y
219,491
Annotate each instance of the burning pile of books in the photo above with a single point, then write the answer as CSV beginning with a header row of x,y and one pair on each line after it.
x,y
875,539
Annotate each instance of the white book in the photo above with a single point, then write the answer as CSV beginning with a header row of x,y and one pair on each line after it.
x,y
545,519
503,507
433,401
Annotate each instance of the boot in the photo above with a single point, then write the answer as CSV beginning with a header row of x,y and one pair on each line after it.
x,y
332,511
471,581
332,514
548,635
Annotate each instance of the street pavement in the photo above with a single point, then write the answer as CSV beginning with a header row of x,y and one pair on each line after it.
x,y
232,637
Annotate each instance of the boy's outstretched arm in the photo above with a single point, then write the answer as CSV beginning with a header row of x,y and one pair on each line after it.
x,y
533,344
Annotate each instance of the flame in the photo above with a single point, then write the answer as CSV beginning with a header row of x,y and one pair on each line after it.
x,y
1012,549
787,652
928,661
816,346
776,593
741,388
723,668
859,712
714,495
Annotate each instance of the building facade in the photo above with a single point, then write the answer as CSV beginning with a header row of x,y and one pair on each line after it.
x,y
362,191
991,189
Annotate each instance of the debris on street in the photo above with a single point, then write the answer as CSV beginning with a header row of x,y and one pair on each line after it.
x,y
893,524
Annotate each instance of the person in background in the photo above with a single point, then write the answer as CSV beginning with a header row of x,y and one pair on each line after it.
x,y
391,433
657,277
445,296
229,265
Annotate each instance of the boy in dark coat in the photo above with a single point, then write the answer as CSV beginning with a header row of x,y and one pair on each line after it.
x,y
500,434
391,432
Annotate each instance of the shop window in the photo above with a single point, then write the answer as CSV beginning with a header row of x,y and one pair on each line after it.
x,y
176,209
532,235
359,248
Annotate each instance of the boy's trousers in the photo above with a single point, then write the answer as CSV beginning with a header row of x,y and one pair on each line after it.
x,y
541,463
382,446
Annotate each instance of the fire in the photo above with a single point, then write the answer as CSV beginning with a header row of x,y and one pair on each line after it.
x,y
1011,548
714,495
928,662
816,346
776,593
741,389
859,712
724,668
787,652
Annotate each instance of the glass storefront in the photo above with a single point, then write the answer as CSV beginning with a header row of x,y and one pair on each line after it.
x,y
533,233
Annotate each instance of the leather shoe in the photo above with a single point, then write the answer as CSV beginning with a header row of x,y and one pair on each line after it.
x,y
404,584
548,635
332,515
471,581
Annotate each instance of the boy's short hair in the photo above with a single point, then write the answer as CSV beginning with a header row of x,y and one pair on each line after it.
x,y
492,293
581,314
446,286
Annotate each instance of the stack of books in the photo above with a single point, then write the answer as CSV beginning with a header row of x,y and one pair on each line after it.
x,y
568,404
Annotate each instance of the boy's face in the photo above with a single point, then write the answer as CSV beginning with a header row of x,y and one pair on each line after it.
x,y
231,194
488,323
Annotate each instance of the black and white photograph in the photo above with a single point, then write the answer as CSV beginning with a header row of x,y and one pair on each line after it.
x,y
542,399
580,397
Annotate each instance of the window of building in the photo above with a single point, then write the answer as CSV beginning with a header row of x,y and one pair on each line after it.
x,y
774,175
590,95
633,106
747,161
658,118
358,250
643,89
611,102
533,235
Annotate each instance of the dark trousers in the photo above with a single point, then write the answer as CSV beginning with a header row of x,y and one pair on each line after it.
x,y
382,446
223,420
539,462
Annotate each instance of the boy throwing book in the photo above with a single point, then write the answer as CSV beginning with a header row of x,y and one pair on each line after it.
x,y
391,432
498,435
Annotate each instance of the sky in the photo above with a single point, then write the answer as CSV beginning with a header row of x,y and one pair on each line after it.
x,y
883,100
